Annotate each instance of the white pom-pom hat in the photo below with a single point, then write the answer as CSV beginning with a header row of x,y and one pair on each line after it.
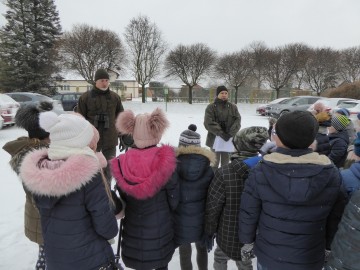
x,y
66,130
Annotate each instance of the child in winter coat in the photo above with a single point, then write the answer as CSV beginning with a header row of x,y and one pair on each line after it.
x,y
146,178
195,175
224,195
74,202
322,139
27,117
288,198
351,176
339,139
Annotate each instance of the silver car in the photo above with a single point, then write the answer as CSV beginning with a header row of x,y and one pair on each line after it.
x,y
299,103
25,98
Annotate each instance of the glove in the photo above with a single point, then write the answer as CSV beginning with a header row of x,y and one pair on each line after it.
x,y
126,141
247,252
208,241
327,255
226,136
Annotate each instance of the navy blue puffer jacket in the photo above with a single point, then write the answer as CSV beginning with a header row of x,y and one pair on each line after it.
x,y
285,207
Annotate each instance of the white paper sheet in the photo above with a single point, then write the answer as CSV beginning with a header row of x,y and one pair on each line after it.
x,y
222,146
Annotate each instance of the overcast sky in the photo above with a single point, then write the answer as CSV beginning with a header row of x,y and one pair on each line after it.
x,y
225,25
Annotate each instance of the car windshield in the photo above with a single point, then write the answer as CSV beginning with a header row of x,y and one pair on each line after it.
x,y
57,97
347,104
43,98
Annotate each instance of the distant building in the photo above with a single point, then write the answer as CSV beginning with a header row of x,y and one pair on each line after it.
x,y
125,88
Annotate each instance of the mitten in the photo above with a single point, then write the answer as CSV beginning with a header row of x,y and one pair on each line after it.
x,y
247,252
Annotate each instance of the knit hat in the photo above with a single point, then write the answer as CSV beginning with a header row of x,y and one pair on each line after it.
x,y
324,119
190,137
67,130
146,129
343,111
27,117
101,74
250,139
357,145
339,122
297,129
220,89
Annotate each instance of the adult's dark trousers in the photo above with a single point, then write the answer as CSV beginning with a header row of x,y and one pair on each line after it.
x,y
222,158
109,153
185,252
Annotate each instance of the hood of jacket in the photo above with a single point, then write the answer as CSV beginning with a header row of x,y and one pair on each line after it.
x,y
194,161
56,178
141,173
20,147
297,176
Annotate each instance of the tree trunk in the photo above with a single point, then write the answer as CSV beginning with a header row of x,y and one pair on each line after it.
x,y
143,96
277,92
190,94
236,94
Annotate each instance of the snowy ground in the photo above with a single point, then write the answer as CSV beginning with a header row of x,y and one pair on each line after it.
x,y
18,253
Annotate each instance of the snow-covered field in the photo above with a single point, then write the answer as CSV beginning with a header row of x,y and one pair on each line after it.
x,y
18,253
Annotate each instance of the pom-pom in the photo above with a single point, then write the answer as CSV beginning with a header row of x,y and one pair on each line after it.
x,y
157,122
45,106
125,122
192,127
47,120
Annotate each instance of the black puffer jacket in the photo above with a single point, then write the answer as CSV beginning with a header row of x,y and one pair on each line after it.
x,y
195,175
339,144
285,207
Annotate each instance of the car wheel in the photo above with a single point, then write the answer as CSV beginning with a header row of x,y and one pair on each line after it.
x,y
283,112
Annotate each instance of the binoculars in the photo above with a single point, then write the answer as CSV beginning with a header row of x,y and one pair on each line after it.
x,y
101,119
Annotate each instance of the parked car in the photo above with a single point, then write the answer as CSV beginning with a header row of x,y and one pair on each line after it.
x,y
353,107
330,103
8,108
261,109
1,122
299,103
25,98
68,100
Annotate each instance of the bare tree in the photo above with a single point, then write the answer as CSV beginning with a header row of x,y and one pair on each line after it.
x,y
282,63
321,69
147,48
235,68
258,50
190,64
350,64
86,49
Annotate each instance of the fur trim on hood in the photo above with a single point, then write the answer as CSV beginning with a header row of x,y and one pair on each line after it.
x,y
311,158
192,149
57,178
144,171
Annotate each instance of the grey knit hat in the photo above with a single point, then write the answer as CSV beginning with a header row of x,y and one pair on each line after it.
x,y
190,137
250,139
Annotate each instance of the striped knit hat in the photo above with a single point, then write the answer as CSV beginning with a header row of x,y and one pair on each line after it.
x,y
339,122
190,137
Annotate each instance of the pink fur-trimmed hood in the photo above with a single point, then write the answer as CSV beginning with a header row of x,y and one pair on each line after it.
x,y
59,177
144,171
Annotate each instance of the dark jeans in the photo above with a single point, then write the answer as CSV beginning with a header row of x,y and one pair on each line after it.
x,y
201,256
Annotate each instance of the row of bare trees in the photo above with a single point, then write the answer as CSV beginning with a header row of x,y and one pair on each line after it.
x,y
147,55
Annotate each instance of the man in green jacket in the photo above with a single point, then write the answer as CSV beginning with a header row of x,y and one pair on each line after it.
x,y
222,118
100,107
